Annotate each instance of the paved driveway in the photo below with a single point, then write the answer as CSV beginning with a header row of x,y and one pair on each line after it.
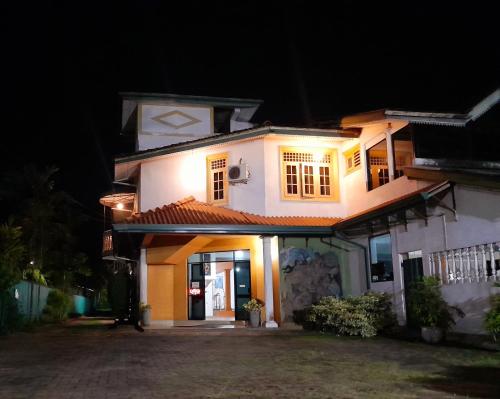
x,y
94,362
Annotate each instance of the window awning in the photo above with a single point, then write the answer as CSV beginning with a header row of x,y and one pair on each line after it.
x,y
393,212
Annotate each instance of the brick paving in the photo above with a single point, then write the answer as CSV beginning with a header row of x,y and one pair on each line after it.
x,y
95,362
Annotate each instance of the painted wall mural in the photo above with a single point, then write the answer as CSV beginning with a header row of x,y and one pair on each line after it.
x,y
309,270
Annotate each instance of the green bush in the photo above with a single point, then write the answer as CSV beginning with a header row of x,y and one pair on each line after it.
x,y
365,315
492,320
57,308
427,307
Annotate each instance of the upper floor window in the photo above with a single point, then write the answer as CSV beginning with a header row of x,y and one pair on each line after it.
x,y
217,185
352,159
308,174
377,166
402,145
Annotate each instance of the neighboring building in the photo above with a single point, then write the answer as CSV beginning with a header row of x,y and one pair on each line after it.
x,y
217,211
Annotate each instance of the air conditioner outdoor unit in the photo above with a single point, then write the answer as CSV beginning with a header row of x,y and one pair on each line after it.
x,y
238,173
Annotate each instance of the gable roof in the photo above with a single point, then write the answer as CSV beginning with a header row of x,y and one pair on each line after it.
x,y
189,211
234,136
428,118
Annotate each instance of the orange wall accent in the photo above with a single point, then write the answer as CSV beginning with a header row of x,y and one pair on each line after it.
x,y
161,292
174,304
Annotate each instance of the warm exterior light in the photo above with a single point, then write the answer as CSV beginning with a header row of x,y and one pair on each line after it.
x,y
119,206
318,155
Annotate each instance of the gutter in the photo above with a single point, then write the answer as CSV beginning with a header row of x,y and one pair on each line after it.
x,y
313,231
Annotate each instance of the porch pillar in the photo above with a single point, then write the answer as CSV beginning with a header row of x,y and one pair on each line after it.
x,y
268,283
143,277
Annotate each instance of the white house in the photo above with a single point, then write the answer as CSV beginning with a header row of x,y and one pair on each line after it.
x,y
214,210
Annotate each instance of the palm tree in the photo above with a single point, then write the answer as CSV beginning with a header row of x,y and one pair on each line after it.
x,y
48,218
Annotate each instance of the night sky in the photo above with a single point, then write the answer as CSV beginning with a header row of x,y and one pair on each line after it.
x,y
64,65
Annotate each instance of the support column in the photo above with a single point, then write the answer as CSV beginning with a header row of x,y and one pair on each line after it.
x,y
391,162
143,277
227,290
268,283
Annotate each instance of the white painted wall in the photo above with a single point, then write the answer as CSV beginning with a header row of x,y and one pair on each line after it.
x,y
173,177
164,124
478,222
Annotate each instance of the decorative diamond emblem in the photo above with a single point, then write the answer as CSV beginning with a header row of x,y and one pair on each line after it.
x,y
176,119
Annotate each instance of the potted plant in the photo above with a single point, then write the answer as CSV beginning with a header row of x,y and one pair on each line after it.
x,y
145,310
254,307
430,311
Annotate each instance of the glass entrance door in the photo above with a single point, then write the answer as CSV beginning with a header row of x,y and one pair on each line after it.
x,y
196,291
242,291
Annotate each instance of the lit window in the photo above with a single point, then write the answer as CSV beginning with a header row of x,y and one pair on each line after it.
x,y
309,174
352,159
381,258
378,169
217,187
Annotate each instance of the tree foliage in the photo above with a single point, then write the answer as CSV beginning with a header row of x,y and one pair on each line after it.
x,y
12,255
49,219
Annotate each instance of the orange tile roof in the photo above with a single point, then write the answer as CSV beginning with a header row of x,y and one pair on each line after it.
x,y
190,211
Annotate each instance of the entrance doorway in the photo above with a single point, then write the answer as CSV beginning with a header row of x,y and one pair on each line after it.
x,y
218,285
412,271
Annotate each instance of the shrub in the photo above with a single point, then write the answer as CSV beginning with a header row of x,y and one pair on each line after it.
x,y
57,308
10,318
427,307
365,315
492,319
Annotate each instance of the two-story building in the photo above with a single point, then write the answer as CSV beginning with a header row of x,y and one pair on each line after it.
x,y
212,210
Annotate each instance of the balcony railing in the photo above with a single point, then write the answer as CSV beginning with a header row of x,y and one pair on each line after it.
x,y
478,263
107,243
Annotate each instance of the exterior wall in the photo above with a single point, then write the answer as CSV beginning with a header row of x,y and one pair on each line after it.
x,y
311,269
171,178
274,204
357,197
167,283
174,177
478,222
160,124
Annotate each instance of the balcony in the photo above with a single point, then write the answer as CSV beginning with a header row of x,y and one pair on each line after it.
x,y
478,263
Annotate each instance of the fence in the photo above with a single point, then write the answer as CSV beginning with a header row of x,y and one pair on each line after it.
x,y
31,299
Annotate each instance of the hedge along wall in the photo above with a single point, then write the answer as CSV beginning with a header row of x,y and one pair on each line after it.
x,y
32,298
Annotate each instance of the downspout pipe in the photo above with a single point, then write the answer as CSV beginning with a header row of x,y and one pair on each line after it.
x,y
342,237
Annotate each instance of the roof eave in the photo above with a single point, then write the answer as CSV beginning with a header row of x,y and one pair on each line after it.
x,y
320,231
228,137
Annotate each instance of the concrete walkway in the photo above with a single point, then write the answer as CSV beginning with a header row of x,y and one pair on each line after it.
x,y
86,359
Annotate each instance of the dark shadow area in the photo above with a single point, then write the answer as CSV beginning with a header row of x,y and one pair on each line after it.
x,y
477,382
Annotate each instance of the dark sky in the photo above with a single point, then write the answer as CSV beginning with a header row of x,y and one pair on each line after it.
x,y
64,65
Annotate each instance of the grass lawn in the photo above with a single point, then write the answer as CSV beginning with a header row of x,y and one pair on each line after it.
x,y
92,361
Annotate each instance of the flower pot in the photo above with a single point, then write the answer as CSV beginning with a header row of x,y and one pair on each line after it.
x,y
146,317
432,335
255,318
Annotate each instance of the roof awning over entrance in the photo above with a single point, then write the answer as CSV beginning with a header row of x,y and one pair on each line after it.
x,y
393,212
189,216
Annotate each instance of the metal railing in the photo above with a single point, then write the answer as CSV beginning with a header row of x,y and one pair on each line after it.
x,y
477,263
107,243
